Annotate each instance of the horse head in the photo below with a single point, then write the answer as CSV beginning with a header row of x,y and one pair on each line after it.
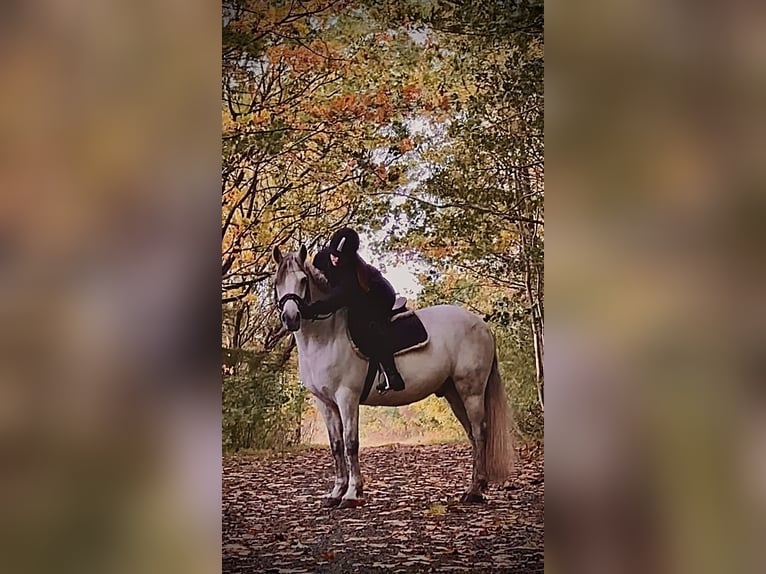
x,y
291,285
295,280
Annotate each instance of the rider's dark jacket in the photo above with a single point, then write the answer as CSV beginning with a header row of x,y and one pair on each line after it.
x,y
347,291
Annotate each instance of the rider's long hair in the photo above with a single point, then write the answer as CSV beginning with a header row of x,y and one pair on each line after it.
x,y
362,272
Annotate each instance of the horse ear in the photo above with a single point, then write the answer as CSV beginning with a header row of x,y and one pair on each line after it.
x,y
277,254
302,254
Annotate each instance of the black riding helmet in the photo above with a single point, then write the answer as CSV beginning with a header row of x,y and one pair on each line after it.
x,y
344,243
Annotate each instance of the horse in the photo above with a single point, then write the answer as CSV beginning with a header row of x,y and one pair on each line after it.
x,y
459,362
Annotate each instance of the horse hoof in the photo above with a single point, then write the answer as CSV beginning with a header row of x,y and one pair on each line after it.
x,y
351,502
473,498
331,502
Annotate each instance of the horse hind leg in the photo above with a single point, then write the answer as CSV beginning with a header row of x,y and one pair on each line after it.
x,y
457,406
334,425
474,407
467,401
478,480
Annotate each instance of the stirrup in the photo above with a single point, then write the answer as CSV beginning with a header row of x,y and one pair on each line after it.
x,y
383,389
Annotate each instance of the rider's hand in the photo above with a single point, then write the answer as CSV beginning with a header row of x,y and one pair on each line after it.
x,y
308,310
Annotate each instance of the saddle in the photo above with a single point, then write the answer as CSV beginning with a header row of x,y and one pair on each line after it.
x,y
400,306
406,330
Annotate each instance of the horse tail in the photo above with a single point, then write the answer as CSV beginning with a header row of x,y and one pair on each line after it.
x,y
499,452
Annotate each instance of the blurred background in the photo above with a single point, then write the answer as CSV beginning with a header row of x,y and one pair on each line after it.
x,y
655,155
419,124
110,285
109,397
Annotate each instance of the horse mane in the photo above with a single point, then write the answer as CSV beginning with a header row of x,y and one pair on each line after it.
x,y
317,277
291,261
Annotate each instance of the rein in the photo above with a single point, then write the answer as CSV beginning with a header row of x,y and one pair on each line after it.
x,y
301,306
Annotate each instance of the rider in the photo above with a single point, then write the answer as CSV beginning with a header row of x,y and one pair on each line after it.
x,y
363,289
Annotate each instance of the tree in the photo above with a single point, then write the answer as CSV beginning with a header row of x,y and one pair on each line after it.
x,y
481,209
421,117
313,93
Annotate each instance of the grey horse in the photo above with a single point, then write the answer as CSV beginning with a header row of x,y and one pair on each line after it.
x,y
459,362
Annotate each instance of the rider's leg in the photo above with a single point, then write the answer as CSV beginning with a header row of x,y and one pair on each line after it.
x,y
381,327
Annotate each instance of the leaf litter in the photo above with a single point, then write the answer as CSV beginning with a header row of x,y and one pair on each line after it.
x,y
412,521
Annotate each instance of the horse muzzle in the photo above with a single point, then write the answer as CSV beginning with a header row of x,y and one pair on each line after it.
x,y
291,316
291,322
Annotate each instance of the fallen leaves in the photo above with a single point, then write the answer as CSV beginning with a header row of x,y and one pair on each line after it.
x,y
412,521
436,510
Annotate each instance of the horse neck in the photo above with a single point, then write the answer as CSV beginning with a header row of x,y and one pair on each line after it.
x,y
322,331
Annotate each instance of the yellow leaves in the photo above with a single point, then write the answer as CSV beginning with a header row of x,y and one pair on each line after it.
x,y
275,14
228,125
250,298
436,510
260,118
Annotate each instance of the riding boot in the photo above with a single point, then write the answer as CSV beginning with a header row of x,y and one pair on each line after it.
x,y
395,381
385,355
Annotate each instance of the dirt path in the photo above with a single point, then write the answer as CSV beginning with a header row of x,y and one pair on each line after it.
x,y
412,522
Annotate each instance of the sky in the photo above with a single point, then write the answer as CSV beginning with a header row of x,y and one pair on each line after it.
x,y
402,276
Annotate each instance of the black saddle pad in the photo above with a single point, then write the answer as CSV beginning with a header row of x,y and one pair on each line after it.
x,y
407,331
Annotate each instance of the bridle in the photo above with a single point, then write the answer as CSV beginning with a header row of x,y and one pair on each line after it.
x,y
290,297
301,302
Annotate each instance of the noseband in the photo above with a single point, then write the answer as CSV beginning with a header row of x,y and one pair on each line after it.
x,y
302,304
292,297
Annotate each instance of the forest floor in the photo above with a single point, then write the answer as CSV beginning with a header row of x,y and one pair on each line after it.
x,y
412,520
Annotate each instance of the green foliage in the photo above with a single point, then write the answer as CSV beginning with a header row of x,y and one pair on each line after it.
x,y
477,218
430,419
517,369
321,102
262,402
508,318
434,415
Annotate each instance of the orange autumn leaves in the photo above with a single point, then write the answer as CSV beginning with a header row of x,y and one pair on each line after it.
x,y
378,107
303,58
411,92
375,107
318,60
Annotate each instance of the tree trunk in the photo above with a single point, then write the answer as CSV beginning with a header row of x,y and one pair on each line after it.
x,y
536,319
533,282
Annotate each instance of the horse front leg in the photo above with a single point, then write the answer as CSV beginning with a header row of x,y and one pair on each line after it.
x,y
349,413
334,426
